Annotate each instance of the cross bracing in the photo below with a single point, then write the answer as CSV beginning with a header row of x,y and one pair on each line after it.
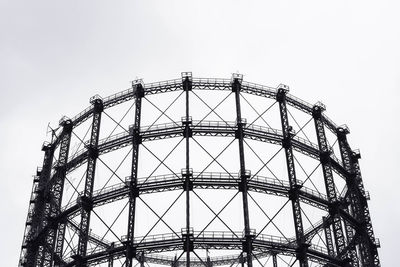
x,y
173,192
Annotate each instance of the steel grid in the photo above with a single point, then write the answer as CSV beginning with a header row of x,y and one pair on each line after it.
x,y
345,229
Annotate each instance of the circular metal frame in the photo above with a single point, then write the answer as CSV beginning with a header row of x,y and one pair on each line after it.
x,y
345,229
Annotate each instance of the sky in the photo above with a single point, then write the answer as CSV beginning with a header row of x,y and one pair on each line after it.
x,y
55,55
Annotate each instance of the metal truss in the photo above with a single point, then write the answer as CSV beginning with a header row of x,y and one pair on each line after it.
x,y
345,230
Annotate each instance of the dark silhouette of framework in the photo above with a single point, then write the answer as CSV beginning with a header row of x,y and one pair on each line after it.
x,y
347,227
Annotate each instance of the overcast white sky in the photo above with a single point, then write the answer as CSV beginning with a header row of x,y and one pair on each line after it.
x,y
54,55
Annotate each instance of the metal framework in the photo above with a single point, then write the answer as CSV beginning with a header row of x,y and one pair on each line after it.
x,y
342,236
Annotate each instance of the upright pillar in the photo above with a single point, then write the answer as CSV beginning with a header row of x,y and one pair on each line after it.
x,y
187,132
85,200
367,245
133,189
328,237
294,187
56,188
34,221
353,197
244,175
111,256
325,160
274,260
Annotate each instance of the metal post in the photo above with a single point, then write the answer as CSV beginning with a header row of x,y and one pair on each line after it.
x,y
86,201
187,87
274,260
328,236
247,245
357,195
352,196
294,187
55,191
34,221
133,190
325,160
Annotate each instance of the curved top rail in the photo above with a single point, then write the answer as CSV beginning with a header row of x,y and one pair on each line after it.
x,y
199,84
218,238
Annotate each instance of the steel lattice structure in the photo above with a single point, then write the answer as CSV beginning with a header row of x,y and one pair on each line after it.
x,y
327,221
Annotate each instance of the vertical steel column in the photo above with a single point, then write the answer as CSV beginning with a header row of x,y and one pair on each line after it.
x,y
56,188
301,251
244,175
111,256
325,160
328,236
34,221
368,247
187,87
353,197
274,260
133,189
85,200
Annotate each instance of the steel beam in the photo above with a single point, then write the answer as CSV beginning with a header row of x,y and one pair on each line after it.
x,y
86,201
358,201
187,87
294,187
353,197
244,175
325,160
133,190
55,195
34,221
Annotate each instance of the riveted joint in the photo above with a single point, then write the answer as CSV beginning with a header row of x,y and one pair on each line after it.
x,y
324,157
187,132
187,82
133,191
317,110
236,82
281,92
286,142
301,251
334,208
187,185
66,123
93,152
130,250
138,87
185,244
356,154
247,245
136,137
294,192
86,203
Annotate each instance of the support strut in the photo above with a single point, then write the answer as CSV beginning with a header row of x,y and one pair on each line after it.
x,y
86,199
294,187
358,203
325,160
34,221
187,87
133,189
244,175
55,192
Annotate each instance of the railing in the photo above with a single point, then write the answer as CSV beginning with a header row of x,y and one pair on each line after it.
x,y
263,129
267,89
214,124
82,114
158,127
156,85
109,98
211,81
292,99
